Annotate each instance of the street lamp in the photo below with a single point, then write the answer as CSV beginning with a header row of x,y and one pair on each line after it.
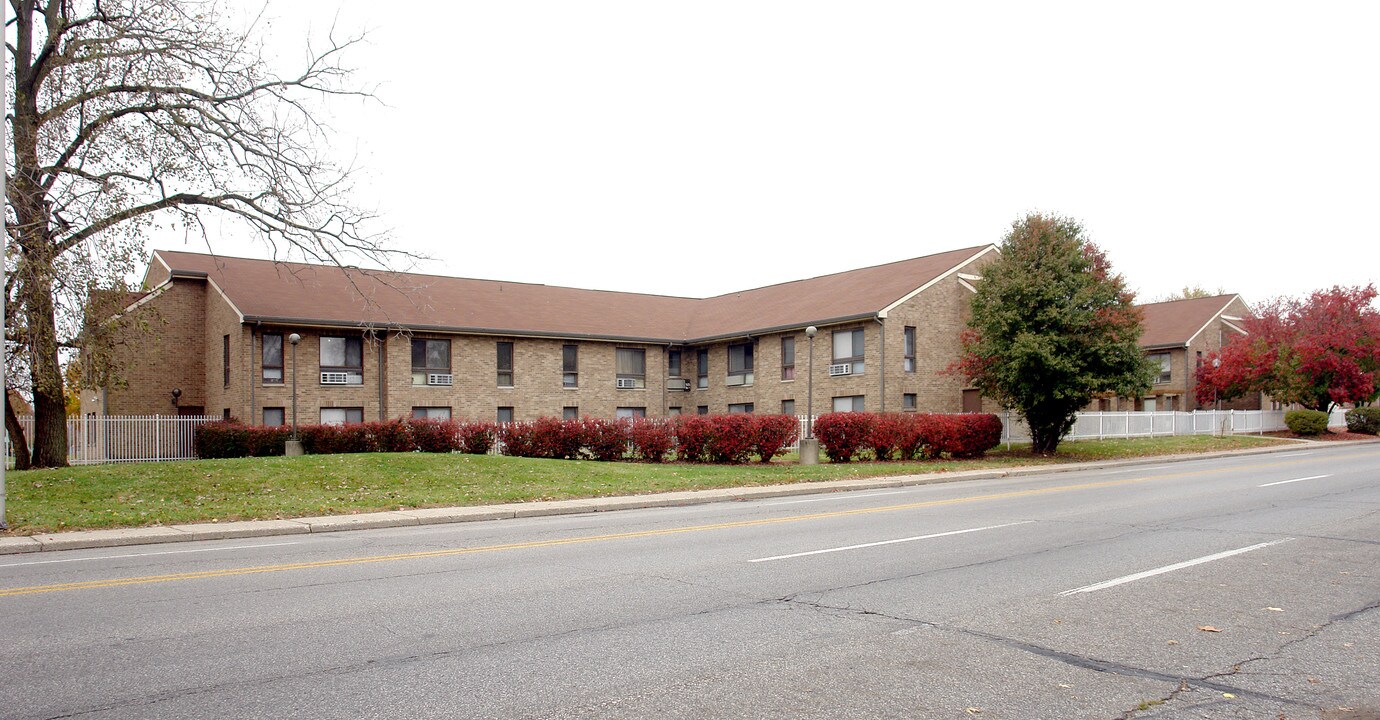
x,y
293,447
809,445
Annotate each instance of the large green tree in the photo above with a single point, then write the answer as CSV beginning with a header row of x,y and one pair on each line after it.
x,y
131,115
1052,327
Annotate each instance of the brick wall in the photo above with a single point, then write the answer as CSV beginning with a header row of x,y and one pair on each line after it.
x,y
162,349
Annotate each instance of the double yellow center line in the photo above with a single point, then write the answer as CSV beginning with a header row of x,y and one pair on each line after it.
x,y
343,562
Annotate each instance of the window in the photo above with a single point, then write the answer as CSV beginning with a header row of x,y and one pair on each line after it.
x,y
272,354
431,358
673,363
570,412
431,413
739,408
225,357
787,407
505,366
910,349
274,417
505,413
849,403
908,401
632,368
740,364
342,361
1200,359
702,410
1161,360
787,358
225,414
570,366
702,369
673,411
342,416
848,348
630,412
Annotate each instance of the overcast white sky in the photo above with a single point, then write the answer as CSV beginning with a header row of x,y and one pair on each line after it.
x,y
700,148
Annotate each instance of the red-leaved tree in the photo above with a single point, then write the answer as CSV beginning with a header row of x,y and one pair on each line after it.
x,y
1317,351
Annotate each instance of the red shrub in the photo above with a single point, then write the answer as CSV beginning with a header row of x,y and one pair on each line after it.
x,y
733,438
888,432
694,434
475,437
392,435
910,441
977,434
652,438
772,433
434,436
603,439
518,439
842,434
263,441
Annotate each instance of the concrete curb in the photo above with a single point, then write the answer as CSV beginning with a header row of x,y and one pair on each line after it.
x,y
430,516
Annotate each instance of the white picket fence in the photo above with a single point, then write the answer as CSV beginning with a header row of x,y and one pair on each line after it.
x,y
114,439
1103,425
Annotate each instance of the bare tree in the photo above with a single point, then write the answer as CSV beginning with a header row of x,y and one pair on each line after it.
x,y
130,115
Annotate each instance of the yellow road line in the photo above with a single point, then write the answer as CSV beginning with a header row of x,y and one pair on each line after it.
x,y
255,570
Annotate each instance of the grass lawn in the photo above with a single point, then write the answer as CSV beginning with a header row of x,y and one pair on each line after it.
x,y
131,495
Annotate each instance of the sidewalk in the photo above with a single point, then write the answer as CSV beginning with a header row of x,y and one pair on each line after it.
x,y
429,516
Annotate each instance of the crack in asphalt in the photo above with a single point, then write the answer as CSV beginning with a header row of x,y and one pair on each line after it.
x,y
1073,659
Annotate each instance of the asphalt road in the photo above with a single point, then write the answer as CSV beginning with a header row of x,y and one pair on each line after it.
x,y
1238,588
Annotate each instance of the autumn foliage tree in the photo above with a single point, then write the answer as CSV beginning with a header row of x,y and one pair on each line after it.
x,y
128,115
1316,351
1052,326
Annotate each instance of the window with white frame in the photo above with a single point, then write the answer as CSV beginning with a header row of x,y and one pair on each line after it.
x,y
1162,361
342,415
430,362
848,349
342,361
631,366
848,403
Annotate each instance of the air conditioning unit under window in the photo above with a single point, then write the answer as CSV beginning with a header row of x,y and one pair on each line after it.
x,y
335,378
440,379
678,384
841,369
735,380
626,383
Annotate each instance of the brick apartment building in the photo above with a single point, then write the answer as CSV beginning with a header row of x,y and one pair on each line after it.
x,y
377,345
1178,335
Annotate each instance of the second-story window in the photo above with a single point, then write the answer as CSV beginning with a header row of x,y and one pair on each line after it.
x,y
702,368
431,362
631,365
272,358
848,350
505,365
740,364
910,350
225,354
1162,361
673,363
787,358
342,360
570,366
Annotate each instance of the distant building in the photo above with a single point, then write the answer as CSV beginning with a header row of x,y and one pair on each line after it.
x,y
379,345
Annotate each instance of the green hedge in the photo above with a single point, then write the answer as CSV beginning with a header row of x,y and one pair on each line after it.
x,y
1364,420
1306,422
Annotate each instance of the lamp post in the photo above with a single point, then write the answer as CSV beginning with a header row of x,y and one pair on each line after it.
x,y
294,446
809,446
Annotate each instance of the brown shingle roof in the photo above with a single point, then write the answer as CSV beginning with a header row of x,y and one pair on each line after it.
x,y
1174,323
266,290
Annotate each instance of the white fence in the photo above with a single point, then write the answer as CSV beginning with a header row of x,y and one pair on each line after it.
x,y
1102,425
109,439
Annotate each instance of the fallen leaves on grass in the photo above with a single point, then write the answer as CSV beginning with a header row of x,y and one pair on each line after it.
x,y
1208,628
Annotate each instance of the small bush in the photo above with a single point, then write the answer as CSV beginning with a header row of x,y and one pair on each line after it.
x,y
977,433
221,439
602,439
392,435
1364,420
1306,422
476,437
266,441
733,441
843,434
888,432
771,434
652,438
435,436
694,434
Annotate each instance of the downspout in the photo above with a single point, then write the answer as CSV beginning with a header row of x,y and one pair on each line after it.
x,y
383,397
881,372
252,382
665,378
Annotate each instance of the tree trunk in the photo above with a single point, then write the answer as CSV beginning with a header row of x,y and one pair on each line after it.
x,y
50,408
22,461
